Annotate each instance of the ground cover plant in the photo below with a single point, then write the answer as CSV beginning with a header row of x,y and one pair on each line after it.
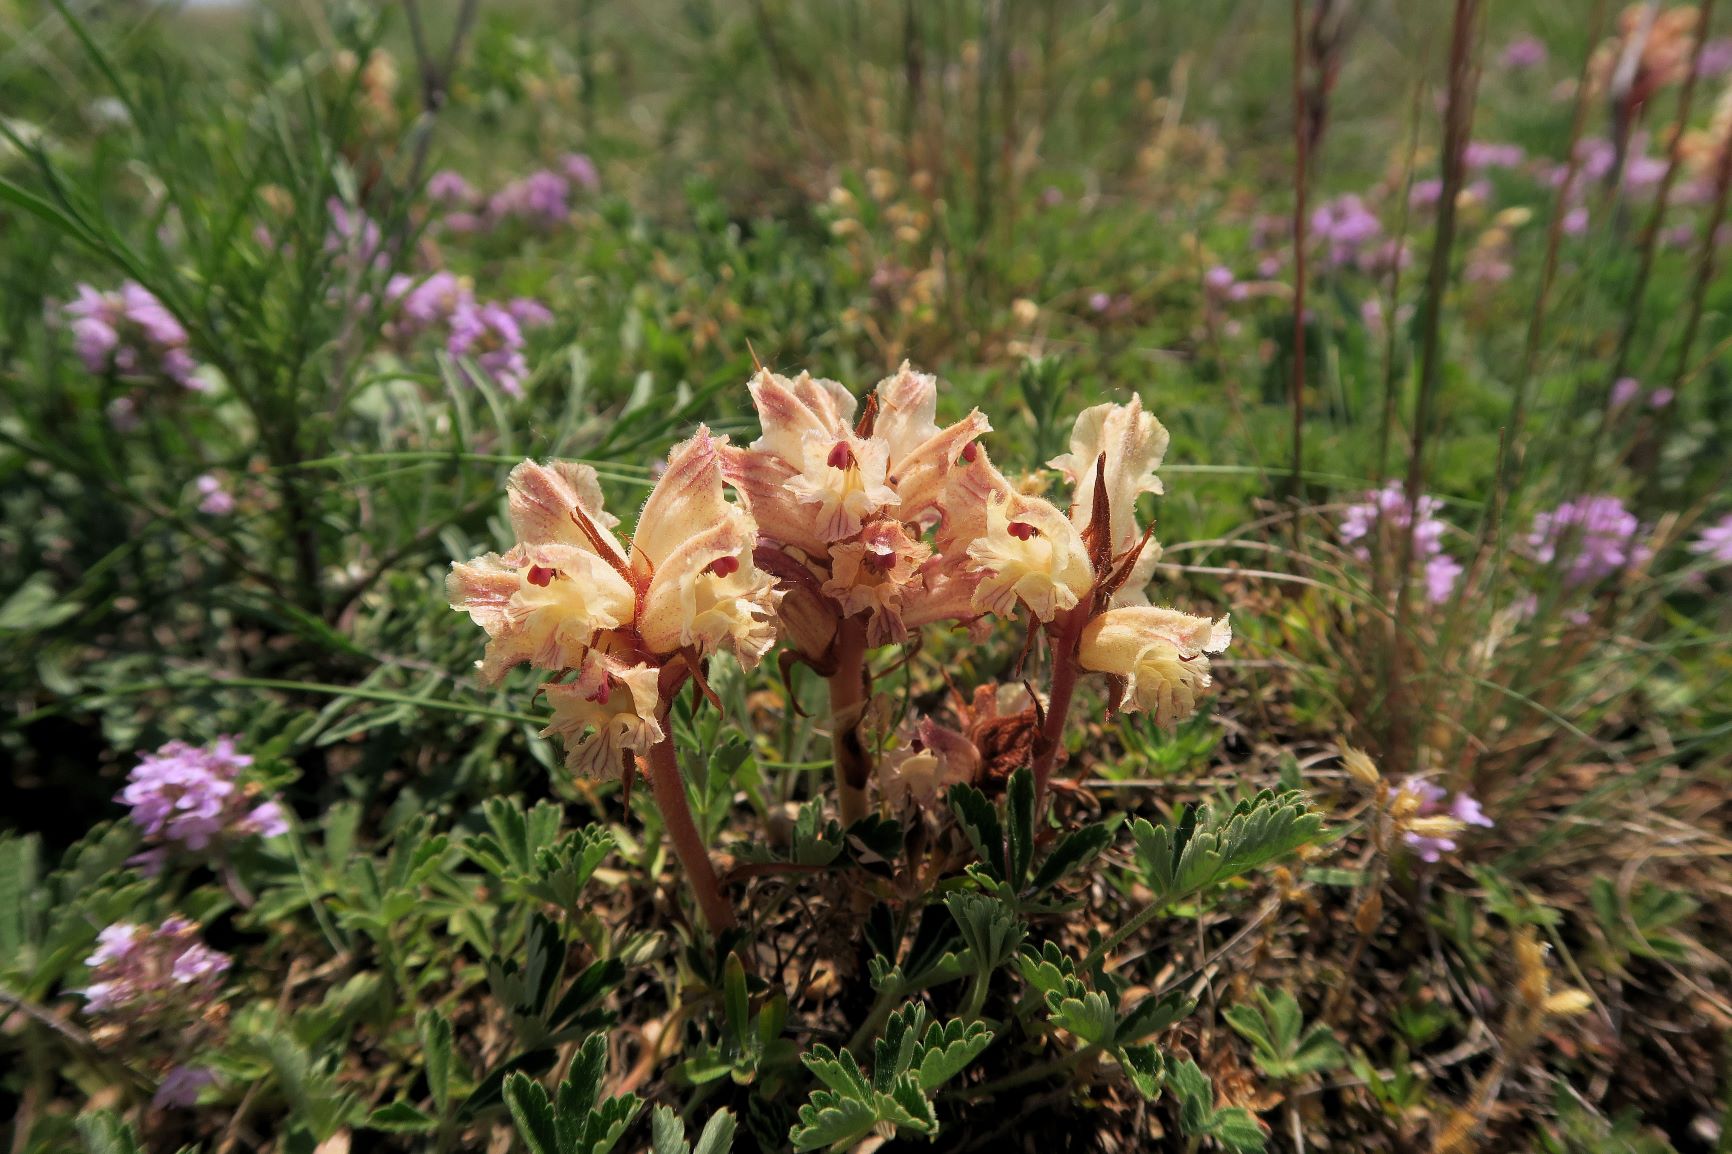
x,y
703,577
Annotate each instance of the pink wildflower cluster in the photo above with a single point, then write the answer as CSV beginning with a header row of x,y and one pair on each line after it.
x,y
1590,537
1348,231
156,979
1387,510
130,333
190,798
1462,807
490,333
542,199
1715,542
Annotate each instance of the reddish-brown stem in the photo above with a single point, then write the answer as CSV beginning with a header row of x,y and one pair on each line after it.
x,y
1065,670
669,790
1301,131
848,693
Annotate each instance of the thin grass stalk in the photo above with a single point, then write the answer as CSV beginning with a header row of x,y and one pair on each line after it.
x,y
1650,240
1457,127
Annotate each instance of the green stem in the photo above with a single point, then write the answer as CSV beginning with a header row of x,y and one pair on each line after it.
x,y
1035,1073
1149,914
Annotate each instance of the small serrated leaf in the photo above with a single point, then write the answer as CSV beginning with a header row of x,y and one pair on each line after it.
x,y
401,1118
831,1120
531,1110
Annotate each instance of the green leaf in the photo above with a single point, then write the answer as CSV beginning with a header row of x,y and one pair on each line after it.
x,y
718,1135
1146,1068
1019,811
989,928
1281,1045
107,1133
1089,1017
1075,849
435,1031
736,1001
1200,850
979,819
908,1107
894,1052
1153,1015
831,1120
533,1113
947,1049
667,1132
840,1072
401,1118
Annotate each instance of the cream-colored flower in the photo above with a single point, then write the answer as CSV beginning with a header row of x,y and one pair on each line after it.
x,y
692,559
873,573
1134,443
541,604
792,410
609,713
844,477
927,763
1030,553
1158,653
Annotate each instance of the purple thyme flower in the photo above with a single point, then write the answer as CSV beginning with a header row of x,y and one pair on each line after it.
x,y
189,797
1660,398
490,335
1625,390
1479,154
1715,542
353,236
1594,536
434,301
214,500
1345,227
539,198
180,1088
160,972
581,171
1524,52
1388,506
447,187
1100,302
1716,58
130,332
1464,808
529,313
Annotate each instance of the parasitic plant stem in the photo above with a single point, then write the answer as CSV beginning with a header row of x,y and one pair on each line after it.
x,y
1065,671
669,790
849,690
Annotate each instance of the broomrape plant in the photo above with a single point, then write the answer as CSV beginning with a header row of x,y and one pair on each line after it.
x,y
849,533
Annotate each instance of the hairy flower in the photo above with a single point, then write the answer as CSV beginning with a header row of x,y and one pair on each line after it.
x,y
849,506
1157,655
569,596
929,760
1030,554
1133,443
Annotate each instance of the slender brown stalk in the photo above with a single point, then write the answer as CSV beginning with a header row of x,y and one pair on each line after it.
x,y
669,790
1301,132
1064,678
1457,126
849,689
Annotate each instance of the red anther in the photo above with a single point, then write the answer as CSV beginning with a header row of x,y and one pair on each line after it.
x,y
541,575
1022,530
841,457
725,566
970,452
917,746
602,691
